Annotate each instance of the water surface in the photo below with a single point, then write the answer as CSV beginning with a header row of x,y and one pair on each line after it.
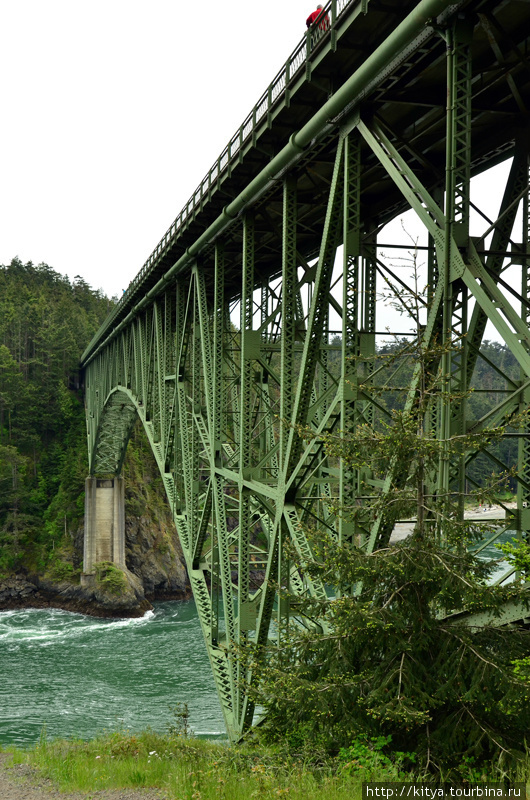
x,y
78,675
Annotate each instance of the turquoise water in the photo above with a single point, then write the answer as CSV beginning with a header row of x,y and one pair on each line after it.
x,y
502,567
77,676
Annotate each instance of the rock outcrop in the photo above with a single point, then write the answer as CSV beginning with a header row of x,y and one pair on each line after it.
x,y
153,553
34,591
155,571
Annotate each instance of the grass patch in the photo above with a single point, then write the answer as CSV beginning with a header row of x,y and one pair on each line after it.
x,y
185,768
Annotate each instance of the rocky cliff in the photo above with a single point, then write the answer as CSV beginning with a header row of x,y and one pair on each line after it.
x,y
155,571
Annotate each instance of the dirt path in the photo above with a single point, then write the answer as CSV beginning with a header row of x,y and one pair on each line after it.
x,y
20,782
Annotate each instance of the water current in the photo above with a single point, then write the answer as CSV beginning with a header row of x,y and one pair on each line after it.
x,y
77,676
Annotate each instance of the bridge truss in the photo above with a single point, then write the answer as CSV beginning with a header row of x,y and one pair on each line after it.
x,y
259,319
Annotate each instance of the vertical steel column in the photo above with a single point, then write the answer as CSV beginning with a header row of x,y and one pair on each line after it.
x,y
348,480
367,317
194,438
177,463
458,132
432,420
457,196
249,350
149,315
139,357
183,468
219,425
169,383
288,313
215,437
157,381
290,295
266,431
523,454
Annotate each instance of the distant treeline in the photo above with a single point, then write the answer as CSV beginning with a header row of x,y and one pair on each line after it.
x,y
495,370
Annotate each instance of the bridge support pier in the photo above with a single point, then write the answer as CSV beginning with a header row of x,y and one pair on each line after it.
x,y
104,524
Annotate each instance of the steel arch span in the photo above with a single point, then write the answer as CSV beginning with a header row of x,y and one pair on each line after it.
x,y
259,318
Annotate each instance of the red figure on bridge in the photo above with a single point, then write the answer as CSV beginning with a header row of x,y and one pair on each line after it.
x,y
323,19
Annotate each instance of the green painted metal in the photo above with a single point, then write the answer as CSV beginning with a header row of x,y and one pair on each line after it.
x,y
246,339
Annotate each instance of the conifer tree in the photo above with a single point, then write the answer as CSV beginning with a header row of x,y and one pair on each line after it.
x,y
409,643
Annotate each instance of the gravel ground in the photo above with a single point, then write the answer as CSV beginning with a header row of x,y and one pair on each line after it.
x,y
20,782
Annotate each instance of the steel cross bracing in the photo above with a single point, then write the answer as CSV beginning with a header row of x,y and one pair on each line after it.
x,y
260,339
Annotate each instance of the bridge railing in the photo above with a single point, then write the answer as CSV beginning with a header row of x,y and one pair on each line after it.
x,y
301,57
275,91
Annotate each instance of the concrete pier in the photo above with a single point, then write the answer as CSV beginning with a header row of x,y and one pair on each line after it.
x,y
104,524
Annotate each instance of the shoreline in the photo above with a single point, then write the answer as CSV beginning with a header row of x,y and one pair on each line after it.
x,y
22,593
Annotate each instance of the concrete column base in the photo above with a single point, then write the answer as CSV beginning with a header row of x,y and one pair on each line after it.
x,y
88,580
104,524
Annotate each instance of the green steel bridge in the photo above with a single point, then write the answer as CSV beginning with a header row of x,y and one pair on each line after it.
x,y
239,329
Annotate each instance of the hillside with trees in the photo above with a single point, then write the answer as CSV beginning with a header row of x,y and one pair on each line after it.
x,y
46,321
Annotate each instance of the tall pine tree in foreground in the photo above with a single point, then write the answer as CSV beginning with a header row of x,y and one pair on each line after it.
x,y
408,644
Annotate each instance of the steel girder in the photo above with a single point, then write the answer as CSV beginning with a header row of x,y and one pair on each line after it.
x,y
270,331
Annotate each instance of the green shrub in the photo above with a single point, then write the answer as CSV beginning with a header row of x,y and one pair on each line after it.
x,y
110,578
60,570
366,757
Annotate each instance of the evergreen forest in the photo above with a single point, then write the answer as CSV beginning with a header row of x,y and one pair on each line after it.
x,y
46,321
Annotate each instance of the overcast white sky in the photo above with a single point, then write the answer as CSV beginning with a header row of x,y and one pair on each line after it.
x,y
113,112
